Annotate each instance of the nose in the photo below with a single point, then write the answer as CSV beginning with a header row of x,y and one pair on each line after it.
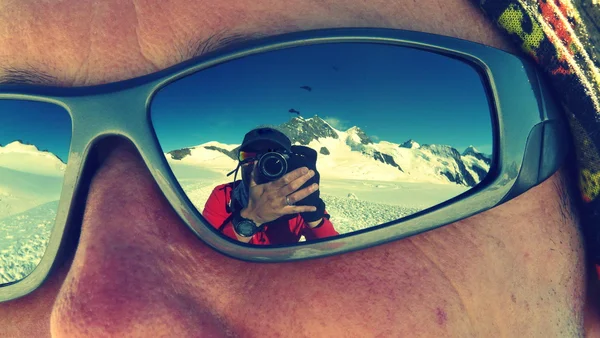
x,y
132,272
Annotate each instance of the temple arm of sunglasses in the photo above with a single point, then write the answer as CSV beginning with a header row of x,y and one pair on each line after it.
x,y
545,153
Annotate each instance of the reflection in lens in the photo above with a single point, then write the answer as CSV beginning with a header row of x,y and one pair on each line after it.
x,y
272,166
396,130
34,146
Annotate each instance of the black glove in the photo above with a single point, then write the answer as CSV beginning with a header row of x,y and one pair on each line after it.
x,y
307,157
317,214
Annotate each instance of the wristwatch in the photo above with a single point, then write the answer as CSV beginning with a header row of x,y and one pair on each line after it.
x,y
243,226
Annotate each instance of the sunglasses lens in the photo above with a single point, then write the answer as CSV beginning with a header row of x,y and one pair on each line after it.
x,y
34,147
395,130
245,155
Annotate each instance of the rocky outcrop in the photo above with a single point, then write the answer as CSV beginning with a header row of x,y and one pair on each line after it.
x,y
460,175
303,131
180,153
386,159
230,153
471,151
410,144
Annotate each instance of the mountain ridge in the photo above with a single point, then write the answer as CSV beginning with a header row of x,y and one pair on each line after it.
x,y
29,158
21,146
409,159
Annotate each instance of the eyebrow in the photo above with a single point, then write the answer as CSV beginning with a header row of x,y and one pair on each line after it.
x,y
221,41
218,41
28,75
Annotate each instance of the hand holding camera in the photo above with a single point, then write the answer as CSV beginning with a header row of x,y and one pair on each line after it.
x,y
274,199
283,184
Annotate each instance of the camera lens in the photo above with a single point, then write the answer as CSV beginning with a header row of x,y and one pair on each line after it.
x,y
272,165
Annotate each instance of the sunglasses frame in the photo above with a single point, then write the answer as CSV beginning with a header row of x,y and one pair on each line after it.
x,y
529,142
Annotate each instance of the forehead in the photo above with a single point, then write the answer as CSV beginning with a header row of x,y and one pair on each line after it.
x,y
84,42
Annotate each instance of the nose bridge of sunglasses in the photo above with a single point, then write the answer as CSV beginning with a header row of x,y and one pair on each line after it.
x,y
123,113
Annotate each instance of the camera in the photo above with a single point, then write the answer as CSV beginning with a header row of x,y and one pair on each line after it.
x,y
273,165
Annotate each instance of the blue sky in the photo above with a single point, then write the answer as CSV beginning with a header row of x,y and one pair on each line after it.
x,y
392,93
45,125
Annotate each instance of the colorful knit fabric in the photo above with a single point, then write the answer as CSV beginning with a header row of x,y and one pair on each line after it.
x,y
562,36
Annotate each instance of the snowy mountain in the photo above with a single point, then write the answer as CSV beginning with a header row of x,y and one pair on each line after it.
x,y
301,131
471,151
28,177
29,159
352,154
476,162
410,144
23,240
30,186
219,155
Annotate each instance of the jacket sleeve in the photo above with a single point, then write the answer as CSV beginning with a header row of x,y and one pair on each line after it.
x,y
323,231
215,211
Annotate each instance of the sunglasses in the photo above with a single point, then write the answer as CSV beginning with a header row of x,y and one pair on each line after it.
x,y
246,156
425,129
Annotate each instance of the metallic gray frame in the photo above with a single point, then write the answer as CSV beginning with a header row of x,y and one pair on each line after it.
x,y
529,141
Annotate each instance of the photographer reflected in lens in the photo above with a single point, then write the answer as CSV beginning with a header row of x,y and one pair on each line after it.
x,y
277,201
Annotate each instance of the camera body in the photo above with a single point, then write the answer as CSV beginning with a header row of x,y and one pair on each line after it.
x,y
273,165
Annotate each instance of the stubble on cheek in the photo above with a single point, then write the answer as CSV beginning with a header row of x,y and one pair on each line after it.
x,y
524,258
100,53
137,268
29,316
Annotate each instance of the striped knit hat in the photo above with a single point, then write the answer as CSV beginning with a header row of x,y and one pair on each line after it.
x,y
562,36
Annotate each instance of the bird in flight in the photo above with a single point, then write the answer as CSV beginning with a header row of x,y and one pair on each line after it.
x,y
307,88
294,111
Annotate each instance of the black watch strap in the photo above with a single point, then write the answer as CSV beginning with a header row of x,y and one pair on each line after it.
x,y
243,226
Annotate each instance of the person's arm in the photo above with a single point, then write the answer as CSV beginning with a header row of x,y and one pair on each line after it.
x,y
322,228
315,224
215,211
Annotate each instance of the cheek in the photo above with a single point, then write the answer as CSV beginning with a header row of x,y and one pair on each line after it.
x,y
29,316
247,172
386,290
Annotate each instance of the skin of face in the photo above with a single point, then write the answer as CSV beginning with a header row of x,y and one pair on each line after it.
x,y
515,270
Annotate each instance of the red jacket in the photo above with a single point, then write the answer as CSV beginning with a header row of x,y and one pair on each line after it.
x,y
284,230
